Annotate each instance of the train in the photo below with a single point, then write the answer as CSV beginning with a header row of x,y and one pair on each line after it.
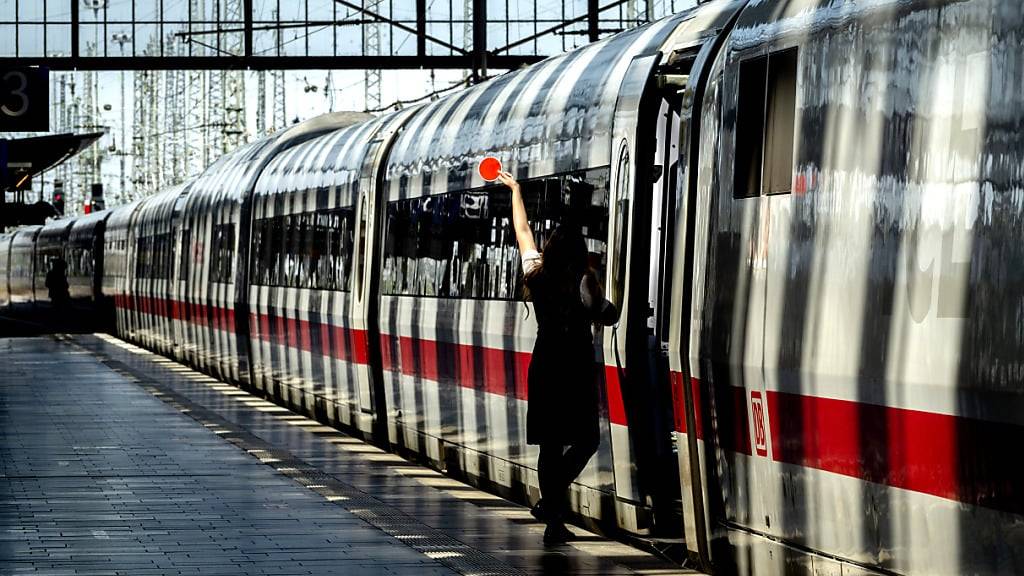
x,y
809,212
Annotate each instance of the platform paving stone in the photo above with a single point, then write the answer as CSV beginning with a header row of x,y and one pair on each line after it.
x,y
117,461
98,476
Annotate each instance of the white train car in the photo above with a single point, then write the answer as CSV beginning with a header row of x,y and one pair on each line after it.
x,y
851,303
118,268
311,310
215,239
85,270
21,270
155,229
5,265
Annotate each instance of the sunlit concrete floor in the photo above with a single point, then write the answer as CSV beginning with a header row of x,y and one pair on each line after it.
x,y
114,460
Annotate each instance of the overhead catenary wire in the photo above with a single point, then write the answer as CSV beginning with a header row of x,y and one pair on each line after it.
x,y
461,84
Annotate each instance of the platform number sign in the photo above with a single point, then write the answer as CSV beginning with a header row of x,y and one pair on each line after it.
x,y
760,434
24,99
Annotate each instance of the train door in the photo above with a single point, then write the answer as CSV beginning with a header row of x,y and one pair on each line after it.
x,y
666,158
366,280
182,240
639,397
660,204
652,254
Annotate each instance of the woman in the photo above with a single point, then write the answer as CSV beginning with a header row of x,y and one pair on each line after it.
x,y
562,415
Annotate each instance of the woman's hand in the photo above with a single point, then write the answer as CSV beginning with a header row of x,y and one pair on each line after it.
x,y
507,179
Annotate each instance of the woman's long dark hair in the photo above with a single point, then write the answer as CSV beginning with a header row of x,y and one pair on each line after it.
x,y
565,262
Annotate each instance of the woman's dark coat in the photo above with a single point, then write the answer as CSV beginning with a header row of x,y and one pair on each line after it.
x,y
562,385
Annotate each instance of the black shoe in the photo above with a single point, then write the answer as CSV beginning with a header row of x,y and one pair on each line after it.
x,y
556,534
539,512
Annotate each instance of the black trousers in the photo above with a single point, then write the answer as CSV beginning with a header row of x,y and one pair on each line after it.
x,y
557,467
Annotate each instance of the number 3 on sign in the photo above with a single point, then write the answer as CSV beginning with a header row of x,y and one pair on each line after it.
x,y
19,92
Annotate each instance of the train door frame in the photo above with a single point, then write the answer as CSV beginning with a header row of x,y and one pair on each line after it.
x,y
367,252
643,454
179,262
657,158
677,299
693,453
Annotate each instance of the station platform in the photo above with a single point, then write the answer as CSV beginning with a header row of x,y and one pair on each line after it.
x,y
117,461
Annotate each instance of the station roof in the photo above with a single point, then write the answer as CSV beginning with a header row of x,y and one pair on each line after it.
x,y
27,157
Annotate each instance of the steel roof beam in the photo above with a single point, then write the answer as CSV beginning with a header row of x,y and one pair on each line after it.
x,y
357,62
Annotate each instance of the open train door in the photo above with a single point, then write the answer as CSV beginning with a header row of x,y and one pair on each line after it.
x,y
658,467
646,472
681,79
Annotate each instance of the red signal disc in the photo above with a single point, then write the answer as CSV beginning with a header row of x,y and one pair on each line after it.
x,y
489,168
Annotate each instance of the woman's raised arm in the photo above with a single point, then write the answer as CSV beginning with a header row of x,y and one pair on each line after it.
x,y
524,234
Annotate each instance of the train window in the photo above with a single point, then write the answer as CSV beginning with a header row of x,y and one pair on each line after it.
x,y
461,244
150,260
277,241
222,253
318,255
185,255
141,257
291,250
781,122
750,128
308,250
304,250
765,125
621,227
266,251
361,246
340,242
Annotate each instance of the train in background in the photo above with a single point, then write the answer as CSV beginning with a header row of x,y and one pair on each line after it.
x,y
810,213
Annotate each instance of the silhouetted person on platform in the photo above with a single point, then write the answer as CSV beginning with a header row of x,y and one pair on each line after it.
x,y
562,414
57,287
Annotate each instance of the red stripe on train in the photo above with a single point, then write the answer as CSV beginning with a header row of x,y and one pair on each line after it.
x,y
613,390
478,367
469,366
897,447
217,317
339,342
953,457
679,403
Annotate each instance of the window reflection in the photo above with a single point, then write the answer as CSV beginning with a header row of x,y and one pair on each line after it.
x,y
223,254
152,256
307,250
462,244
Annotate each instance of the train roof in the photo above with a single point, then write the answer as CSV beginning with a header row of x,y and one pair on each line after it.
x,y
26,235
121,216
552,117
158,207
55,230
232,176
331,161
89,221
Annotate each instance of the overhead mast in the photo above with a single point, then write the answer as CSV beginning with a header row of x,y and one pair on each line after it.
x,y
233,81
371,47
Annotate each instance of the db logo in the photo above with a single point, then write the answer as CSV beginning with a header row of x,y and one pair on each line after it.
x,y
757,411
